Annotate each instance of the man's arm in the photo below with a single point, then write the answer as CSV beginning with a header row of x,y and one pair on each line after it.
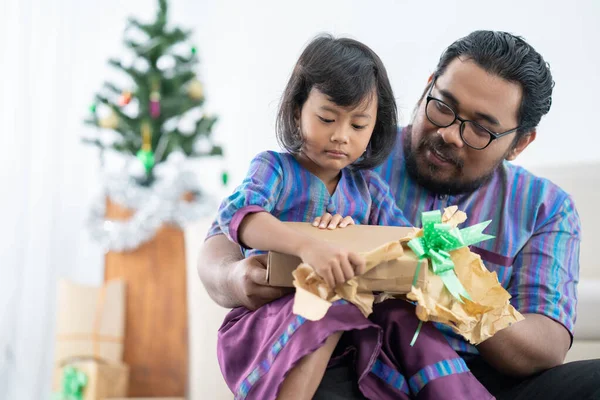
x,y
232,281
535,344
543,285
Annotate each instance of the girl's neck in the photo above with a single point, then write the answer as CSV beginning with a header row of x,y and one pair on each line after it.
x,y
329,177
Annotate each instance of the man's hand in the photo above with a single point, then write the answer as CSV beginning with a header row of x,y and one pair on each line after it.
x,y
248,280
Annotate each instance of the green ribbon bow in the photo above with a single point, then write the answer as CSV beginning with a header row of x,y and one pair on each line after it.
x,y
73,383
438,240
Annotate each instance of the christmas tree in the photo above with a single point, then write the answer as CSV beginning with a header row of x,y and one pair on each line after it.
x,y
163,90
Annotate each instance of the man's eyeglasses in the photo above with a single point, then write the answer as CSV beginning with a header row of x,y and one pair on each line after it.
x,y
472,134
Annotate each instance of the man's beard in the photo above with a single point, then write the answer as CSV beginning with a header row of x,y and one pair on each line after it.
x,y
437,144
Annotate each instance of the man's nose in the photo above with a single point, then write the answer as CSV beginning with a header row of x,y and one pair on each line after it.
x,y
451,134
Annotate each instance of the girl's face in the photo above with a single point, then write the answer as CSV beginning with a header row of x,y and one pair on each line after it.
x,y
334,136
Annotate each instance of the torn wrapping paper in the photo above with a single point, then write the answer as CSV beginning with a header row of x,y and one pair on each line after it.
x,y
454,288
382,272
394,276
480,306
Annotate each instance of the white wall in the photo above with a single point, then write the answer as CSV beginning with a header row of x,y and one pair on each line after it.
x,y
247,63
53,57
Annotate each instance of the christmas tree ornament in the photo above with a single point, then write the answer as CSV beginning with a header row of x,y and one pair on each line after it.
x,y
155,100
224,178
195,90
145,154
93,108
111,121
193,50
125,98
155,104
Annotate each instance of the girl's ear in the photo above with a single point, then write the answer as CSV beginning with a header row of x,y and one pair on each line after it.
x,y
297,115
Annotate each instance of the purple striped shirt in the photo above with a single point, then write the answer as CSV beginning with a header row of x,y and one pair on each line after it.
x,y
278,184
537,229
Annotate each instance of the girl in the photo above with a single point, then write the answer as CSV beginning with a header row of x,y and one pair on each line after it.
x,y
337,120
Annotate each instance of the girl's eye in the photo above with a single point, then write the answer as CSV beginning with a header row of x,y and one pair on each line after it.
x,y
325,120
359,127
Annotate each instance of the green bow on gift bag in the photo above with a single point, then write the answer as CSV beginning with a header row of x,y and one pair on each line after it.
x,y
73,383
441,238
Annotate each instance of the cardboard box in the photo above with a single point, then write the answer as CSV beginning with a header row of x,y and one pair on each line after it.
x,y
90,322
105,380
393,276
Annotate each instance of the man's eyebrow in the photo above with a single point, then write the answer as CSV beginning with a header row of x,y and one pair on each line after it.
x,y
450,97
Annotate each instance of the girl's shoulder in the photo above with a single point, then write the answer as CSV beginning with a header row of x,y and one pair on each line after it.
x,y
276,159
366,175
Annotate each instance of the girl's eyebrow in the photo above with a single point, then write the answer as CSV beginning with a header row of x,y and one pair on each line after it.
x,y
336,112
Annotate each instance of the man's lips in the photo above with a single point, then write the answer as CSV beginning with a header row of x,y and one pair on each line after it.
x,y
438,159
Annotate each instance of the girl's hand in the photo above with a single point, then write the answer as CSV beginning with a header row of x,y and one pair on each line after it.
x,y
334,264
331,222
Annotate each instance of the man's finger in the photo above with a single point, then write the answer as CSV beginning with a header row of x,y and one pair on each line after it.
x,y
257,274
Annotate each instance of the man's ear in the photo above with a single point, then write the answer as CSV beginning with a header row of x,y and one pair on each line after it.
x,y
521,145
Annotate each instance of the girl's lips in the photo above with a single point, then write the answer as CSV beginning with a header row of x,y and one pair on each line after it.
x,y
335,153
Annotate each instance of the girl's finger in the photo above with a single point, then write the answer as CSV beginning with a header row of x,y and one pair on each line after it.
x,y
346,221
359,264
347,269
338,275
325,219
335,221
317,221
328,276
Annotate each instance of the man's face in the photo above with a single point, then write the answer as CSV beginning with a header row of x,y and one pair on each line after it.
x,y
437,157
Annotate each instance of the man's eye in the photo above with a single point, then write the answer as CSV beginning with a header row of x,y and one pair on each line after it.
x,y
325,120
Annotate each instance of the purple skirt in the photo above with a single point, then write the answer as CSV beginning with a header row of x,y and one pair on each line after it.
x,y
257,349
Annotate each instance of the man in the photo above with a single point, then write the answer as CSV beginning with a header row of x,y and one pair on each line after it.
x,y
479,110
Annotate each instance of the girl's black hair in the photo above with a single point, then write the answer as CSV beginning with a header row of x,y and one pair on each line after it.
x,y
347,72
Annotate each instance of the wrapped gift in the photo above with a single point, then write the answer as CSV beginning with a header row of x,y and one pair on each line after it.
x,y
395,270
90,380
432,267
90,322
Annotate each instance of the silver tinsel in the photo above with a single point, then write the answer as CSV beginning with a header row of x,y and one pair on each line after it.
x,y
155,205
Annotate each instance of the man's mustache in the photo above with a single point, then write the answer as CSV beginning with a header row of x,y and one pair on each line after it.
x,y
438,145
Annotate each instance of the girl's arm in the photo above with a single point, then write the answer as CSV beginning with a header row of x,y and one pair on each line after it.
x,y
334,264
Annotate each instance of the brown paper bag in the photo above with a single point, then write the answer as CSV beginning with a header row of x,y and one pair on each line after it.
x,y
90,322
105,380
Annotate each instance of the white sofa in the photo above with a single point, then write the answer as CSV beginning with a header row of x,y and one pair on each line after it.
x,y
582,181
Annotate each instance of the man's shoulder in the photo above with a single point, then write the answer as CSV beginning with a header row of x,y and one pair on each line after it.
x,y
523,183
531,201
